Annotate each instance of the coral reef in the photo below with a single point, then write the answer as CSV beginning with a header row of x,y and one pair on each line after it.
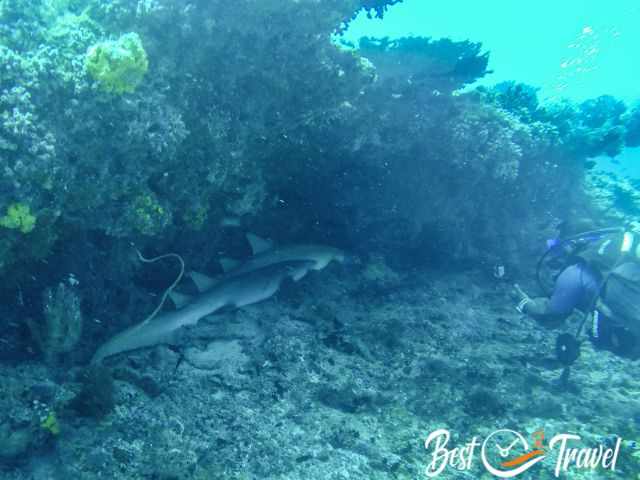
x,y
96,396
18,217
281,396
633,128
62,328
378,6
592,128
118,66
614,197
243,119
50,424
442,64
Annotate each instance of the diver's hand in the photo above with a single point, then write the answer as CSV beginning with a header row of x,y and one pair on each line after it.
x,y
521,297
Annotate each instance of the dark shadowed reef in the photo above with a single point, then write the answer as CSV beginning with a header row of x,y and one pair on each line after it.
x,y
160,123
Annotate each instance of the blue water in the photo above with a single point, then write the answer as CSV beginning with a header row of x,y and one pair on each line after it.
x,y
575,49
627,163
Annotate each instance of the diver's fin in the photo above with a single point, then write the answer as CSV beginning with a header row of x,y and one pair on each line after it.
x,y
228,264
258,244
202,281
179,299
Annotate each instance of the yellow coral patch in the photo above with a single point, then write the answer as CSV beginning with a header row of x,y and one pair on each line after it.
x,y
19,217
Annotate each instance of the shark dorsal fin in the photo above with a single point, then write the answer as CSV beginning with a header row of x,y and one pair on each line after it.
x,y
258,244
202,281
179,299
228,264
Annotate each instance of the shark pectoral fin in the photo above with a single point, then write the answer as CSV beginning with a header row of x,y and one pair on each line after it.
x,y
231,222
202,281
258,244
180,299
295,276
228,264
297,272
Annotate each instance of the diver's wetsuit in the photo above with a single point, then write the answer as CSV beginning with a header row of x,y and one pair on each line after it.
x,y
576,287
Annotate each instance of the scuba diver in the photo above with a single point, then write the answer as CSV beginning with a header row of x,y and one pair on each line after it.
x,y
598,273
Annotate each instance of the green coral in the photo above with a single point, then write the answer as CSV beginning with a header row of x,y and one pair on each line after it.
x,y
147,215
118,66
50,424
19,217
196,217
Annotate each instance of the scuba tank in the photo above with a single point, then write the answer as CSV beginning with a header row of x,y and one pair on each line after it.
x,y
563,252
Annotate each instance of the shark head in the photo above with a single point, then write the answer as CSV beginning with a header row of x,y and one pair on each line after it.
x,y
324,255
